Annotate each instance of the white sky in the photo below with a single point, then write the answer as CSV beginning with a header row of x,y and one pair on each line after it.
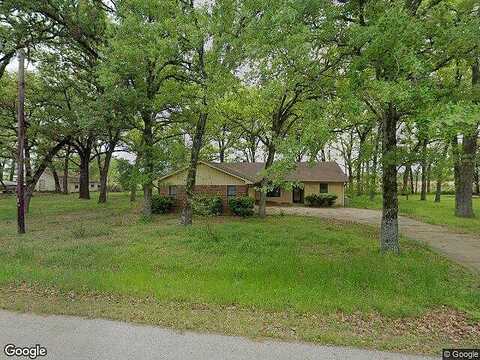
x,y
13,65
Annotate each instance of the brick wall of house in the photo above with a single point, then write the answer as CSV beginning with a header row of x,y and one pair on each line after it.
x,y
211,190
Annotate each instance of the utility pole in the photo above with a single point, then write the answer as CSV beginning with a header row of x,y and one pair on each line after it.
x,y
21,143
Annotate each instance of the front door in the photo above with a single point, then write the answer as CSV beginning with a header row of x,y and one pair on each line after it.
x,y
297,195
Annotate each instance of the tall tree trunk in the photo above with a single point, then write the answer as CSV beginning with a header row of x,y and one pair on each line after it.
x,y
406,175
84,186
465,161
423,191
147,199
197,143
21,144
262,204
58,188
221,151
429,178
187,211
102,196
440,170
476,179
148,163
438,190
463,172
84,147
133,193
103,169
252,148
477,182
416,181
373,189
423,180
65,170
350,176
359,164
2,168
133,184
476,84
12,170
412,187
389,227
28,161
367,175
358,177
253,154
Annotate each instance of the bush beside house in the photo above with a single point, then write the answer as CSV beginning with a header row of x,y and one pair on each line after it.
x,y
320,200
242,206
162,204
207,205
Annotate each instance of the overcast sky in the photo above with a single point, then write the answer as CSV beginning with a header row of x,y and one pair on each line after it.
x,y
13,66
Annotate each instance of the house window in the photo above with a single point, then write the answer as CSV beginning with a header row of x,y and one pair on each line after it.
x,y
172,190
76,186
323,188
92,185
274,193
231,190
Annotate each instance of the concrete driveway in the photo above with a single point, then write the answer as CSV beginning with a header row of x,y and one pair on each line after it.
x,y
75,338
462,248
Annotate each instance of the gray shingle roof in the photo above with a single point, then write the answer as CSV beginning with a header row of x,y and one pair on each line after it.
x,y
325,171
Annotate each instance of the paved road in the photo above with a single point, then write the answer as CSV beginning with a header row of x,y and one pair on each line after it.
x,y
72,338
462,248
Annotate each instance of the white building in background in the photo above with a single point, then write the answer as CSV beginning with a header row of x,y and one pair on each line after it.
x,y
7,186
46,183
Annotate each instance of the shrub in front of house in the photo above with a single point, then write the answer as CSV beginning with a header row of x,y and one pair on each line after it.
x,y
320,200
242,206
162,204
207,205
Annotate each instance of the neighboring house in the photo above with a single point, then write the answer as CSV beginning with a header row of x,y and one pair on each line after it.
x,y
47,183
8,186
237,179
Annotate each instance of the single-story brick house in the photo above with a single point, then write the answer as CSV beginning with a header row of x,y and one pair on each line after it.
x,y
238,179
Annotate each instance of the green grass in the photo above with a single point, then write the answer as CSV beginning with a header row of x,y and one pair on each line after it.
x,y
429,211
290,265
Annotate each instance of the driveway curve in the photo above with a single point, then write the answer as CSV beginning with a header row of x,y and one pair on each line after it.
x,y
461,248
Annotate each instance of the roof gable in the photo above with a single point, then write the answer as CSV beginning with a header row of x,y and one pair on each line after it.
x,y
239,178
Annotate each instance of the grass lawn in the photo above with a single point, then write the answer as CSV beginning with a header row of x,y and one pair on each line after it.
x,y
429,211
285,277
